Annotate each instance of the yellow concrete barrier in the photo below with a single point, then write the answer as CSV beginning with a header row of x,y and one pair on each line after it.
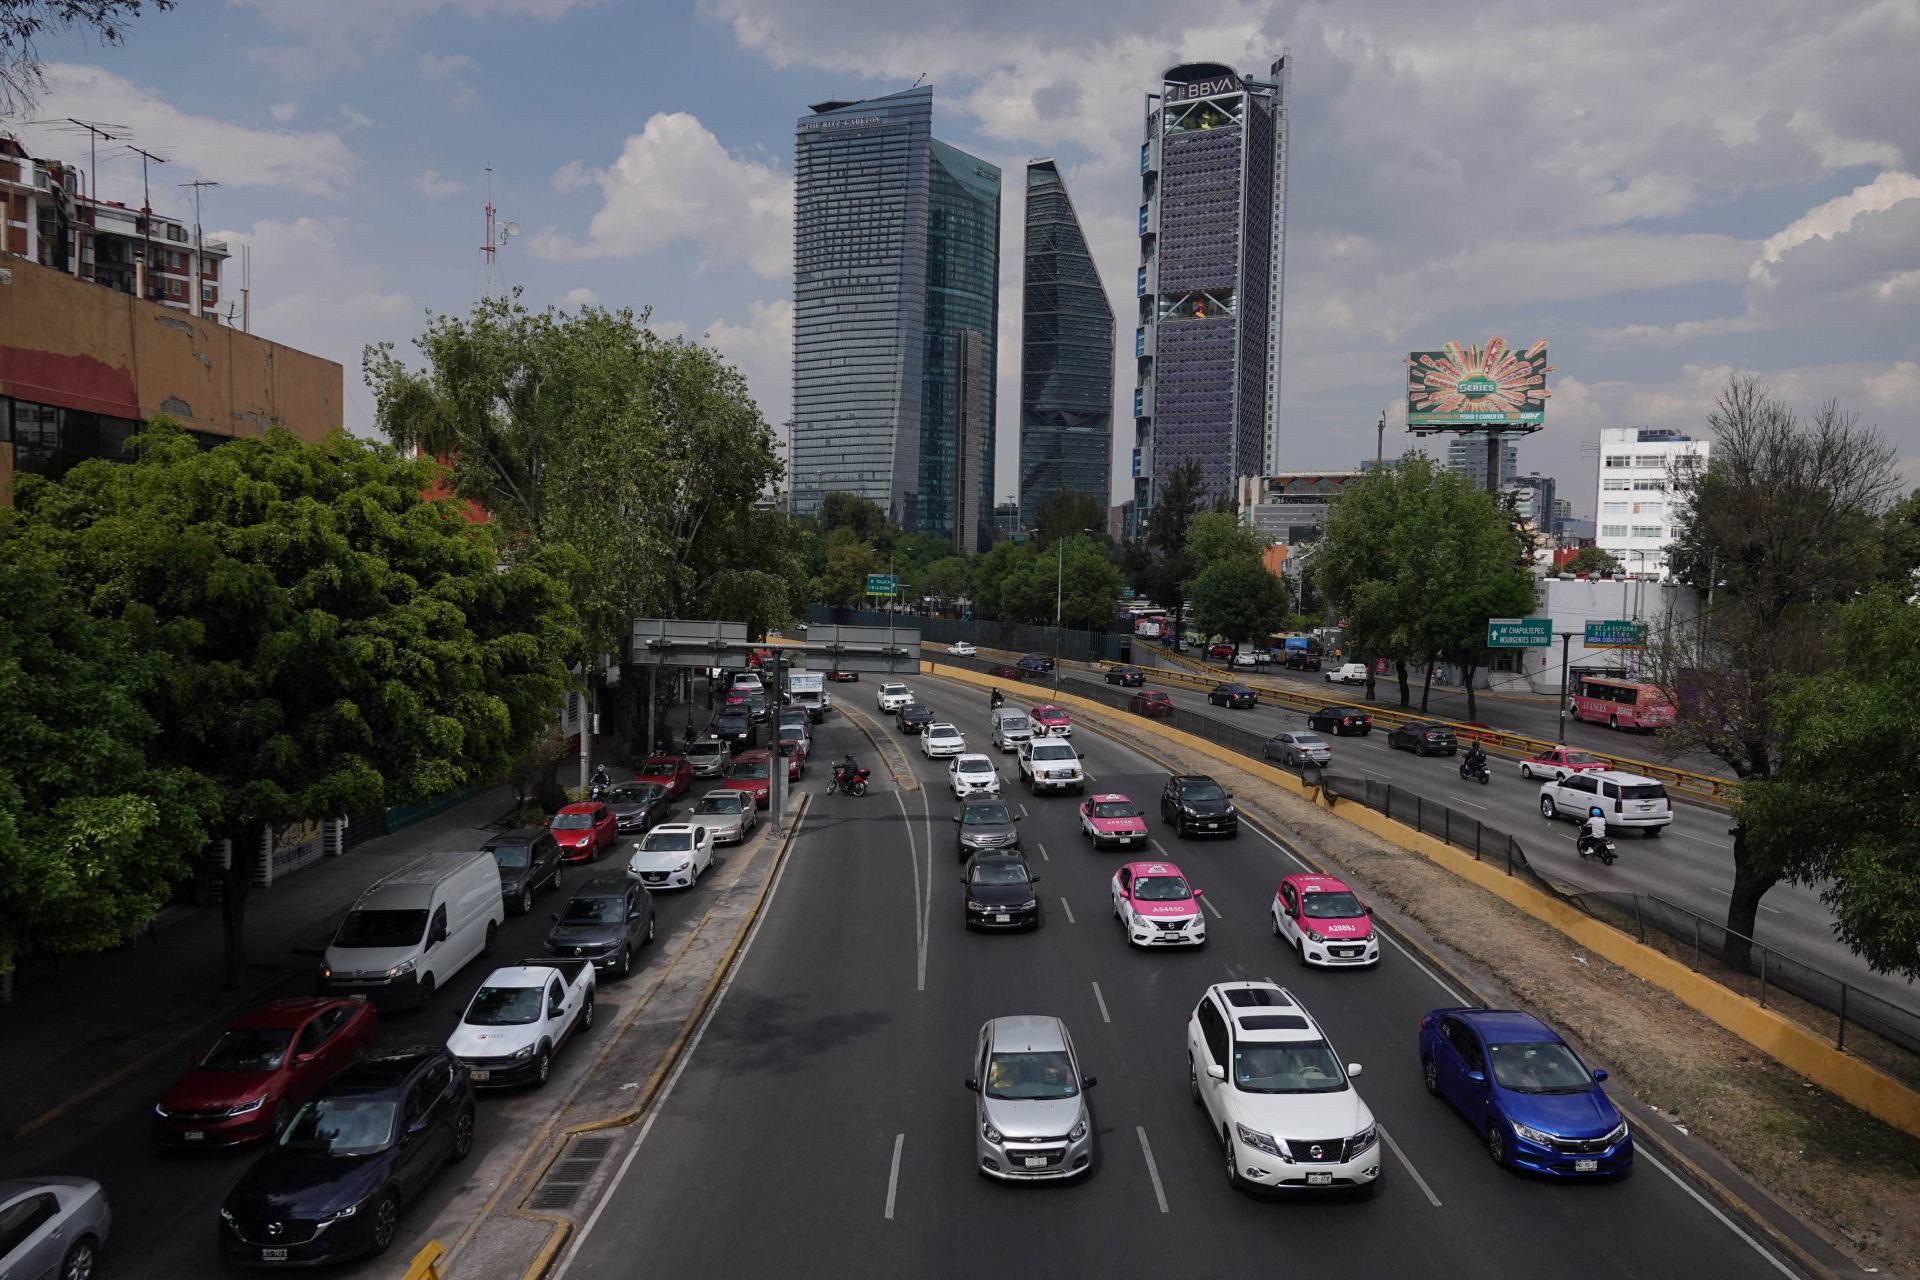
x,y
426,1263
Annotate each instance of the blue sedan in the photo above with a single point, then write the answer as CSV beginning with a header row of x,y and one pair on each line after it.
x,y
1536,1104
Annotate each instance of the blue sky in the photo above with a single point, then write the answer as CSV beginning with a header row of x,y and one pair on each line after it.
x,y
1668,194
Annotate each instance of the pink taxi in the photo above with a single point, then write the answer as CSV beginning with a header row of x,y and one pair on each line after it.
x,y
1324,923
1049,719
1558,762
1113,821
1157,907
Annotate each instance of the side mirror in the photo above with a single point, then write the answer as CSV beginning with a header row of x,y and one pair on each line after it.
x,y
1217,1072
196,1059
1600,1073
1033,879
1366,910
956,819
1089,1082
1353,1071
1198,892
302,1059
963,879
973,1085
1476,1077
414,1129
1019,817
554,916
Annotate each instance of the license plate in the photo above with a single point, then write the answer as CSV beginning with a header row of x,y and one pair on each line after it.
x,y
1319,1179
480,1077
1586,1166
1002,918
1126,839
273,1255
1211,825
361,996
194,1135
1035,1162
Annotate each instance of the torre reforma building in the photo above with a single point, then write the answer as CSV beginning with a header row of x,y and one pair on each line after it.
x,y
896,282
1213,212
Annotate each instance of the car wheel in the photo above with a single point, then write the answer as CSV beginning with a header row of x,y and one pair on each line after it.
x,y
1526,773
463,1133
79,1261
486,948
526,900
1653,833
282,1112
624,965
1193,1081
1613,722
386,1215
652,923
586,1014
1430,1076
1274,920
1300,952
1548,809
1234,1179
542,1066
426,993
1496,1142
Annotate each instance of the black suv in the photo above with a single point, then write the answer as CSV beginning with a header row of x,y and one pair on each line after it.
x,y
913,717
1424,738
1194,804
335,1179
736,728
529,860
604,921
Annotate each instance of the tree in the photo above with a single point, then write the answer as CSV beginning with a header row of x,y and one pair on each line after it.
x,y
843,583
1462,560
1842,808
865,518
1067,512
331,641
1592,561
949,578
1358,565
993,571
22,22
1217,536
1166,568
92,837
537,764
1239,600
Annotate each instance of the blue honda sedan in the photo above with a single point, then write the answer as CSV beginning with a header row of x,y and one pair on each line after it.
x,y
1537,1106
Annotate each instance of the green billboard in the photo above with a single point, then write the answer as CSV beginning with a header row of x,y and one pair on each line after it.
x,y
882,584
1616,633
1465,384
1519,633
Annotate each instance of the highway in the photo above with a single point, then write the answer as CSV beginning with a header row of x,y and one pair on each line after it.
x,y
818,1125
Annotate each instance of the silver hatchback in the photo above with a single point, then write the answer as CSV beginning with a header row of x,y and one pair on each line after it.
x,y
1030,1114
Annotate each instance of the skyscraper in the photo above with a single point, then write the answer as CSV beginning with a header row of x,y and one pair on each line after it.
x,y
896,296
1066,353
1213,172
1467,453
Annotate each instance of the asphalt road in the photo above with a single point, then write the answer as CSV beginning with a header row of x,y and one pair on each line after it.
x,y
818,1124
1691,865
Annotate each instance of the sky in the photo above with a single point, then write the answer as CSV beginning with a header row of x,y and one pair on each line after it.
x,y
1668,194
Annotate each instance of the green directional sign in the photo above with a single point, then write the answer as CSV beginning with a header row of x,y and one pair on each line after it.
x,y
1616,633
882,584
1519,633
1126,593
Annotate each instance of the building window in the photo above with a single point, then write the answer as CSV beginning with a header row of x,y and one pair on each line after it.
x,y
1644,485
1646,531
1648,508
1619,460
1615,486
1613,531
1650,460
1614,509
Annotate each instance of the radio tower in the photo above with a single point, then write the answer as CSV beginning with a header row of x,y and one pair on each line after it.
x,y
495,236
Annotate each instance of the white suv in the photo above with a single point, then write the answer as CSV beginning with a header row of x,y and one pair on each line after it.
x,y
1050,764
892,697
1628,800
1275,1094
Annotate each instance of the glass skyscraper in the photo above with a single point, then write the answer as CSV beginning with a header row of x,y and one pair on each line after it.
x,y
1066,353
955,495
1213,173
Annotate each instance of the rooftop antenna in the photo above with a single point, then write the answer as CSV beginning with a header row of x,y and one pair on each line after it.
x,y
916,83
146,215
497,234
193,286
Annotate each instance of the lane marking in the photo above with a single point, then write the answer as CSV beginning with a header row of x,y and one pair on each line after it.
x,y
1102,1002
1043,851
1158,847
893,1174
1408,1164
1023,811
1376,773
1153,1170
1421,965
1641,1153
1726,894
1289,854
926,910
1207,902
919,930
1482,808
1064,906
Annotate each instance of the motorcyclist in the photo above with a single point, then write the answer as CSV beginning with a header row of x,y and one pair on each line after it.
x,y
994,699
600,779
1593,832
847,770
1476,758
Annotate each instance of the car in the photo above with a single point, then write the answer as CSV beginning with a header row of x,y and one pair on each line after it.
x,y
941,739
843,677
673,855
1341,721
1000,892
748,681
961,649
1113,820
582,830
1302,660
973,774
986,826
1233,695
1558,762
606,920
1050,764
735,728
752,772
1536,1105
796,725
1251,658
794,753
1001,671
914,717
529,860
1008,727
251,1080
1628,800
1050,721
1155,704
1030,1121
1126,677
333,1183
1294,748
1220,649
1156,907
1194,804
519,1018
1324,922
1032,666
709,758
730,815
639,806
1348,673
1423,738
758,705
891,697
1275,1095
671,771
52,1226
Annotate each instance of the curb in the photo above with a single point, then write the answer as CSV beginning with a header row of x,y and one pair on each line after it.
x,y
903,779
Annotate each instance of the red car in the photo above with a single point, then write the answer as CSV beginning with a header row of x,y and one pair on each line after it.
x,y
796,753
1152,703
842,677
1559,762
1050,720
750,772
583,830
670,771
1220,649
256,1075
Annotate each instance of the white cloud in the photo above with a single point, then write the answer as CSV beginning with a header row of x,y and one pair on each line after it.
x,y
1837,216
447,70
284,111
435,187
1897,387
323,40
762,349
674,182
580,297
356,118
572,176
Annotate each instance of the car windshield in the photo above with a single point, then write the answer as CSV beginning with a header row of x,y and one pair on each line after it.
x,y
1046,1074
1161,889
595,910
913,709
705,749
1653,791
1305,1066
1115,809
999,871
511,857
1202,791
1013,722
1053,751
572,821
381,929
1331,906
976,766
1538,1068
248,1049
1581,757
748,769
980,815
634,793
718,804
658,769
893,688
942,731
1309,740
667,841
730,720
349,1125
503,1007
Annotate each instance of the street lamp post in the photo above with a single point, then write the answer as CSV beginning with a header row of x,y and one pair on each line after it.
x,y
1566,646
1059,596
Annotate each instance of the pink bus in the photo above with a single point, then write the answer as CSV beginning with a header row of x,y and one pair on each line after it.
x,y
1621,704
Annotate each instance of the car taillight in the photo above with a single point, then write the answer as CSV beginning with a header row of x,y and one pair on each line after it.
x,y
1616,804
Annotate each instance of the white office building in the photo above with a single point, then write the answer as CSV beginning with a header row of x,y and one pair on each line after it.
x,y
1638,513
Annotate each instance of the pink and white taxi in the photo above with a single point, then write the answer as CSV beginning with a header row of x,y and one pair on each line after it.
x,y
1157,907
1325,924
1113,821
1558,762
1049,719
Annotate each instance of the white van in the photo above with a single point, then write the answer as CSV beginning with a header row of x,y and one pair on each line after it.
x,y
1011,727
809,689
412,930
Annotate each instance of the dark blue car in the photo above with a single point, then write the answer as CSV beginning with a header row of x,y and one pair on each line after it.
x,y
1536,1105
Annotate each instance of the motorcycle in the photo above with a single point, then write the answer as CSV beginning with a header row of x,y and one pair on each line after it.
x,y
600,788
1470,772
1601,848
995,701
856,785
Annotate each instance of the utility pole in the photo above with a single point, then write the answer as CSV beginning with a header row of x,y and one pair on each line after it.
x,y
1380,442
193,287
1566,645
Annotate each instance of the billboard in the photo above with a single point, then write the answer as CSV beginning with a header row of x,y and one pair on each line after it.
x,y
1468,385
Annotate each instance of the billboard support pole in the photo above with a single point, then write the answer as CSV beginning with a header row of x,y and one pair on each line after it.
x,y
1494,439
1566,648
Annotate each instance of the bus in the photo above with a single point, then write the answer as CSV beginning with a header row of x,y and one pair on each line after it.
x,y
1301,652
1621,704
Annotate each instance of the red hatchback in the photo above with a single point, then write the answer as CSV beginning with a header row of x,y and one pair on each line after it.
x,y
1153,703
673,772
256,1075
583,830
750,773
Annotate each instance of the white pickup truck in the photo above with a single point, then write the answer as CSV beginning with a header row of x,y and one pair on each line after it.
x,y
520,1017
1348,673
1051,764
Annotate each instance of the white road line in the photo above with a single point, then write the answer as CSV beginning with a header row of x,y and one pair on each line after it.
x,y
1207,902
1023,811
919,929
1102,1001
1286,852
1438,981
1395,1147
1043,851
1763,906
1157,846
926,909
1066,907
1642,1153
1153,1170
1482,808
1376,773
893,1174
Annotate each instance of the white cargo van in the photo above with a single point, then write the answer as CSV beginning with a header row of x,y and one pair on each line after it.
x,y
412,930
809,689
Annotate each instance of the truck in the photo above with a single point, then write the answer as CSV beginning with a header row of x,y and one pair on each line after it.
x,y
1051,764
520,1017
1149,628
808,689
1348,673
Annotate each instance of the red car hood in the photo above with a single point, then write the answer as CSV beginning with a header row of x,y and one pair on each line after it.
x,y
217,1090
573,838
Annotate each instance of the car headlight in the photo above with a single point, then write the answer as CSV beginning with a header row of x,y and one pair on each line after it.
x,y
1028,905
1362,1140
404,967
521,1055
975,906
226,1215
1139,921
1257,1140
347,1212
160,1109
248,1107
685,866
1189,810
1078,1131
1539,1137
1616,1134
990,1133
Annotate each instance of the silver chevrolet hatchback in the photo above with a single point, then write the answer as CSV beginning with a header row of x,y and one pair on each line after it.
x,y
1030,1113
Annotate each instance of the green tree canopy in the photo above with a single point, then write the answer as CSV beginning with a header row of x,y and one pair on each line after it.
x,y
1239,600
865,518
843,582
1592,560
1214,537
1163,566
993,571
949,578
1066,513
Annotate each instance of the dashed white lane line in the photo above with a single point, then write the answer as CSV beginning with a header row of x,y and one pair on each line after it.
x,y
1482,808
1102,1002
1023,811
1207,902
1153,1170
1376,773
1064,906
1419,964
893,1174
1043,851
1641,1153
1285,852
1157,846
1408,1165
